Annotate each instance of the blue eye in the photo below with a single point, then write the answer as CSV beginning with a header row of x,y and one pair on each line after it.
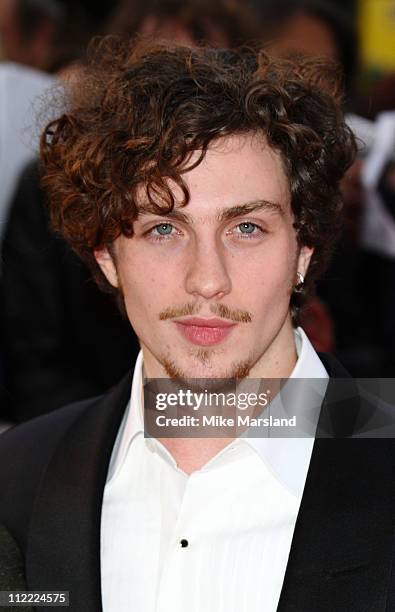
x,y
246,228
164,229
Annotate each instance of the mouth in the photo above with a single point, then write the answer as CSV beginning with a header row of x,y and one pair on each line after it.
x,y
204,331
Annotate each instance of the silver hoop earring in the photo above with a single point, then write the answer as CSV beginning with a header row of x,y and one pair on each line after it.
x,y
299,285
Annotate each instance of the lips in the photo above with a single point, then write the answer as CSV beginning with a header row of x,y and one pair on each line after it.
x,y
204,332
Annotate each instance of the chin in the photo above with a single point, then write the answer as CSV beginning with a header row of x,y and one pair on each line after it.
x,y
203,366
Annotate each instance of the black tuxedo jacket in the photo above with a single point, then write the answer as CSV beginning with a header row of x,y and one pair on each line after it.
x,y
52,476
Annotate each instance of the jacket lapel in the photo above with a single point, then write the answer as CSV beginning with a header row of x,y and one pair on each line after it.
x,y
341,551
63,551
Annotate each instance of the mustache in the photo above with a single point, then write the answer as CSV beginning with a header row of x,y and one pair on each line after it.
x,y
220,310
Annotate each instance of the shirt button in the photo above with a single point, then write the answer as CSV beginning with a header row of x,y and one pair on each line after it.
x,y
184,543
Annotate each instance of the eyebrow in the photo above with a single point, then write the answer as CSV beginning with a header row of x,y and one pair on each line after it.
x,y
228,213
248,207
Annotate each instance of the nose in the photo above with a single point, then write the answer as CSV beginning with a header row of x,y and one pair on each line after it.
x,y
207,275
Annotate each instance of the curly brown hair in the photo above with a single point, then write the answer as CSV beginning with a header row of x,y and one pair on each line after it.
x,y
140,110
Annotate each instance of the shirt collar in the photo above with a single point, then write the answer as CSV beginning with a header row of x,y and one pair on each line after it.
x,y
132,423
288,458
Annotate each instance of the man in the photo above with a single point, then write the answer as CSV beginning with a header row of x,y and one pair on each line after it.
x,y
202,187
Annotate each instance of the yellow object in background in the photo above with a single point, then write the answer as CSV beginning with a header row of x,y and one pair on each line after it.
x,y
377,34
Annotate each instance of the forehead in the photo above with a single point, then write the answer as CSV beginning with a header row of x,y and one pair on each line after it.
x,y
236,170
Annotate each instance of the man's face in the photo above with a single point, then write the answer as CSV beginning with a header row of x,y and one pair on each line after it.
x,y
207,287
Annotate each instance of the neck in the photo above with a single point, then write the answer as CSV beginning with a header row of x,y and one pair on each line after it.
x,y
191,454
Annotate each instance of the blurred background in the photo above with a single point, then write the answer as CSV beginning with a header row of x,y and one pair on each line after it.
x,y
60,338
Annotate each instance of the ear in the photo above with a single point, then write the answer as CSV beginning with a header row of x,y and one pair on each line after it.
x,y
107,265
304,260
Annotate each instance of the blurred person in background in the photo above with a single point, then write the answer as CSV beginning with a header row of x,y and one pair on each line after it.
x,y
38,38
58,328
222,23
313,27
49,34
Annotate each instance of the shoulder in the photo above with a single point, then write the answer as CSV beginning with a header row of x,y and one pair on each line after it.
x,y
333,366
25,451
39,435
70,435
358,408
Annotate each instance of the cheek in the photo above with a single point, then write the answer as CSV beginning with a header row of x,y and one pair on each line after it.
x,y
269,293
267,281
147,288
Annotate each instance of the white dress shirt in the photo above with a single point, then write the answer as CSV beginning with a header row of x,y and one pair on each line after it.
x,y
217,540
